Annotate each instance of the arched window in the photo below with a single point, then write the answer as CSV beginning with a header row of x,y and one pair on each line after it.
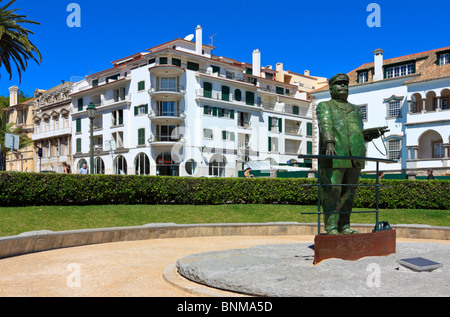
x,y
191,166
120,165
99,166
217,165
80,164
142,164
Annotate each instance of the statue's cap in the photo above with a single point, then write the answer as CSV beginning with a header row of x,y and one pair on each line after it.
x,y
338,77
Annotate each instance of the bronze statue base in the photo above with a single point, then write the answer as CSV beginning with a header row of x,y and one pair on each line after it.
x,y
354,246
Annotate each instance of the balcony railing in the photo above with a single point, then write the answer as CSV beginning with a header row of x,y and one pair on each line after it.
x,y
217,95
167,88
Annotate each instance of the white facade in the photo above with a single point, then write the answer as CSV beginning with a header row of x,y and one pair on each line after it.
x,y
412,101
179,110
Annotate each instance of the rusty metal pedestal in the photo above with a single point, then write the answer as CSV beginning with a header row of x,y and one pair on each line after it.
x,y
354,246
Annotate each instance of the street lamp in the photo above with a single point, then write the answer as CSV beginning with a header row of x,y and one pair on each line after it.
x,y
91,115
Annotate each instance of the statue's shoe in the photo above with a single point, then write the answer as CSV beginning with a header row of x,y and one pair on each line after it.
x,y
349,231
333,231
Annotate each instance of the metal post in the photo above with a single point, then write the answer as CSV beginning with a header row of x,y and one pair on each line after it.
x,y
91,167
318,197
378,194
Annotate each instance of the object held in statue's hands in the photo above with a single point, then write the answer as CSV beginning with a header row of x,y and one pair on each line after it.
x,y
373,133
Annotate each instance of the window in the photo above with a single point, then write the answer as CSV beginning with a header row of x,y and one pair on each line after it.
x,y
80,104
142,164
141,85
176,62
225,93
215,69
244,119
168,84
363,77
167,133
207,110
364,112
279,90
309,147
249,98
141,136
98,121
117,117
237,95
191,167
207,90
99,166
78,125
308,129
217,166
438,150
165,166
275,124
441,103
208,134
227,136
141,109
443,59
163,60
120,165
193,66
95,83
118,138
273,144
400,70
394,149
168,108
78,144
394,109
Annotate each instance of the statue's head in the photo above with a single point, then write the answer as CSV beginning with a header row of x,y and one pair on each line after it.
x,y
339,86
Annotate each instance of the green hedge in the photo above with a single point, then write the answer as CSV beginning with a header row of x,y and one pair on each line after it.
x,y
23,189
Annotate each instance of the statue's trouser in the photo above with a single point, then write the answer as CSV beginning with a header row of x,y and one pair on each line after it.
x,y
338,198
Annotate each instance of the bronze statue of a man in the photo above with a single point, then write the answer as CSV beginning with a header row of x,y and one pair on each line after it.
x,y
340,133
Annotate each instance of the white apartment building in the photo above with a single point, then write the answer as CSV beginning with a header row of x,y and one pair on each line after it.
x,y
410,95
179,110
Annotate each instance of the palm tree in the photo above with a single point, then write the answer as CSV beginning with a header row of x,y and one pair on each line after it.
x,y
5,127
14,43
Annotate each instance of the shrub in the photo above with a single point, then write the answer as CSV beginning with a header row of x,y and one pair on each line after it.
x,y
22,189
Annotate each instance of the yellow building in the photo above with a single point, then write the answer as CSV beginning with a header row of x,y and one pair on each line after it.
x,y
21,114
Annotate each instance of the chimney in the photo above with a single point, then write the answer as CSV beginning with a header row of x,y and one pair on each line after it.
x,y
378,64
198,40
280,73
13,95
256,67
306,73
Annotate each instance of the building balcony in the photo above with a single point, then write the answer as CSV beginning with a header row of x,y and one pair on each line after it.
x,y
168,117
167,92
159,140
427,117
166,70
227,99
428,163
51,134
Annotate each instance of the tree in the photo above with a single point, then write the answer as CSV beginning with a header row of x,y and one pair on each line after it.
x,y
15,46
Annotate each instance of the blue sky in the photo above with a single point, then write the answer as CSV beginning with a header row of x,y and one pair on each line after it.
x,y
325,37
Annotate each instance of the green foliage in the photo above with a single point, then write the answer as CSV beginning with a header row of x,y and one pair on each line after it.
x,y
28,189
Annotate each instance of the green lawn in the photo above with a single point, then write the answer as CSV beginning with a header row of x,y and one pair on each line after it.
x,y
15,220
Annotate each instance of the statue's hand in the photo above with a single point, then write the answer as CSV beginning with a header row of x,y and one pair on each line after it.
x,y
330,149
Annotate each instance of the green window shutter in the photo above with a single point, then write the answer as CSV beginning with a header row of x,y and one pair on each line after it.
x,y
249,98
80,104
163,60
120,117
207,90
141,85
270,144
249,71
214,111
95,83
238,95
231,114
136,110
141,136
193,66
205,109
308,128
309,147
280,127
226,93
78,124
146,108
78,146
279,90
220,112
295,110
224,135
270,124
